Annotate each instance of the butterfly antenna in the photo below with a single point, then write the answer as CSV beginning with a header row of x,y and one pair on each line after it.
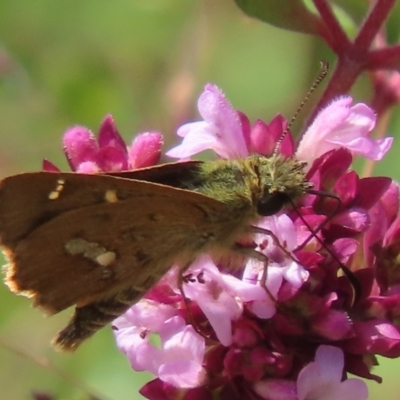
x,y
322,74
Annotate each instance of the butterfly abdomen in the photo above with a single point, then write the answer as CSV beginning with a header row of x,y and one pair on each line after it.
x,y
88,319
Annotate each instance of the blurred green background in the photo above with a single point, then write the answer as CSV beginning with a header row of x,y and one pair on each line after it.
x,y
66,62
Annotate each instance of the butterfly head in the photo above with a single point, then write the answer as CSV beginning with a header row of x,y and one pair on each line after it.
x,y
280,181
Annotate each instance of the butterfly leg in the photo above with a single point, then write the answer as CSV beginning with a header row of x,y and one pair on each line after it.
x,y
277,243
88,319
182,278
256,255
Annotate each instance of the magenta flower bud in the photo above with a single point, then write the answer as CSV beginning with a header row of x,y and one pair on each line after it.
x,y
112,158
109,153
265,136
145,150
49,166
109,135
79,146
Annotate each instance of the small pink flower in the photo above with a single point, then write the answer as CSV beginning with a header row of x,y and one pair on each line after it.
x,y
322,379
180,363
339,125
376,335
133,328
228,132
221,297
220,131
179,360
219,304
108,153
263,137
285,231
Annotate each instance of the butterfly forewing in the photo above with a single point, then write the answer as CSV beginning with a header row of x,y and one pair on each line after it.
x,y
180,174
69,245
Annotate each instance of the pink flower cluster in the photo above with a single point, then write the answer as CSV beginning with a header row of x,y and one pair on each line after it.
x,y
320,325
107,153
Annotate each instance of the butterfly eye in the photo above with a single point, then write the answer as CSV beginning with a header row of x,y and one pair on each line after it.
x,y
272,203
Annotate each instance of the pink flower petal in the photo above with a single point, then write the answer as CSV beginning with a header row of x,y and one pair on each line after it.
x,y
354,220
322,379
182,374
197,140
88,167
215,299
145,150
183,354
220,131
109,135
79,145
340,125
265,136
111,159
133,328
334,325
217,111
49,166
276,389
295,274
390,201
262,305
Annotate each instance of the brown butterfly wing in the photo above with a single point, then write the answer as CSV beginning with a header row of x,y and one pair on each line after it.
x,y
24,199
179,174
76,239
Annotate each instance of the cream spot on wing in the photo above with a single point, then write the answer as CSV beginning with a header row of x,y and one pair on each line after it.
x,y
91,250
56,193
111,196
106,259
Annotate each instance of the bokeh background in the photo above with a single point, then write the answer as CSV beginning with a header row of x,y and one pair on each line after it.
x,y
66,62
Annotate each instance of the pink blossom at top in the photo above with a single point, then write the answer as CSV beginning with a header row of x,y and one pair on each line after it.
x,y
220,131
339,125
228,132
